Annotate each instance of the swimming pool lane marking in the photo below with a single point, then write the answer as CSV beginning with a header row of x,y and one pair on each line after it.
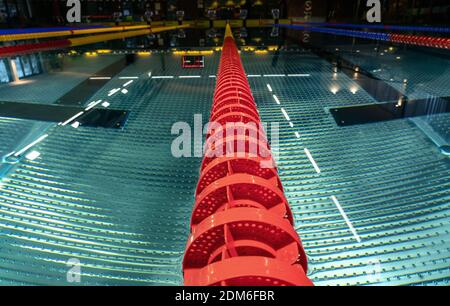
x,y
128,83
291,124
190,76
317,169
347,220
276,99
274,75
285,114
163,77
100,78
213,76
32,144
34,154
311,159
92,105
129,78
113,91
72,118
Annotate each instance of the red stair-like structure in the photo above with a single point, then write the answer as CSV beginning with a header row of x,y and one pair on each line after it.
x,y
242,230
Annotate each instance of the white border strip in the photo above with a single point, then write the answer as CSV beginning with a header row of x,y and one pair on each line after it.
x,y
72,118
100,78
113,91
162,77
276,99
347,220
92,105
190,76
285,114
30,145
311,159
299,75
128,83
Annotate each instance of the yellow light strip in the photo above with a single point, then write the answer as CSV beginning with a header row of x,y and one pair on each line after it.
x,y
104,51
79,41
69,33
194,52
144,53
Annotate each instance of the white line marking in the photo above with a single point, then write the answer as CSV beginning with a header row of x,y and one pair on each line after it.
x,y
162,77
105,104
291,124
72,118
347,220
276,99
254,76
124,91
274,75
212,76
75,125
190,76
297,134
269,87
113,91
285,114
100,78
128,83
299,75
149,74
129,78
92,105
32,155
31,145
313,162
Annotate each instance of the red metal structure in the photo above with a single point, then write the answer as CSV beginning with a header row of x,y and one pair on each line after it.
x,y
242,227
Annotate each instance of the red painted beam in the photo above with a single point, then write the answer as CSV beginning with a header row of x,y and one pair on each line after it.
x,y
33,48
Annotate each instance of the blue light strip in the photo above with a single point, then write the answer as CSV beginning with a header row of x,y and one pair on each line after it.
x,y
42,30
380,27
341,32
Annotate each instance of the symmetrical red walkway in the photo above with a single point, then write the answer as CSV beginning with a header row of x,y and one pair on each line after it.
x,y
241,228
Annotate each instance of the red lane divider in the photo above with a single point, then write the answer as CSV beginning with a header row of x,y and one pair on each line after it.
x,y
426,41
242,226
